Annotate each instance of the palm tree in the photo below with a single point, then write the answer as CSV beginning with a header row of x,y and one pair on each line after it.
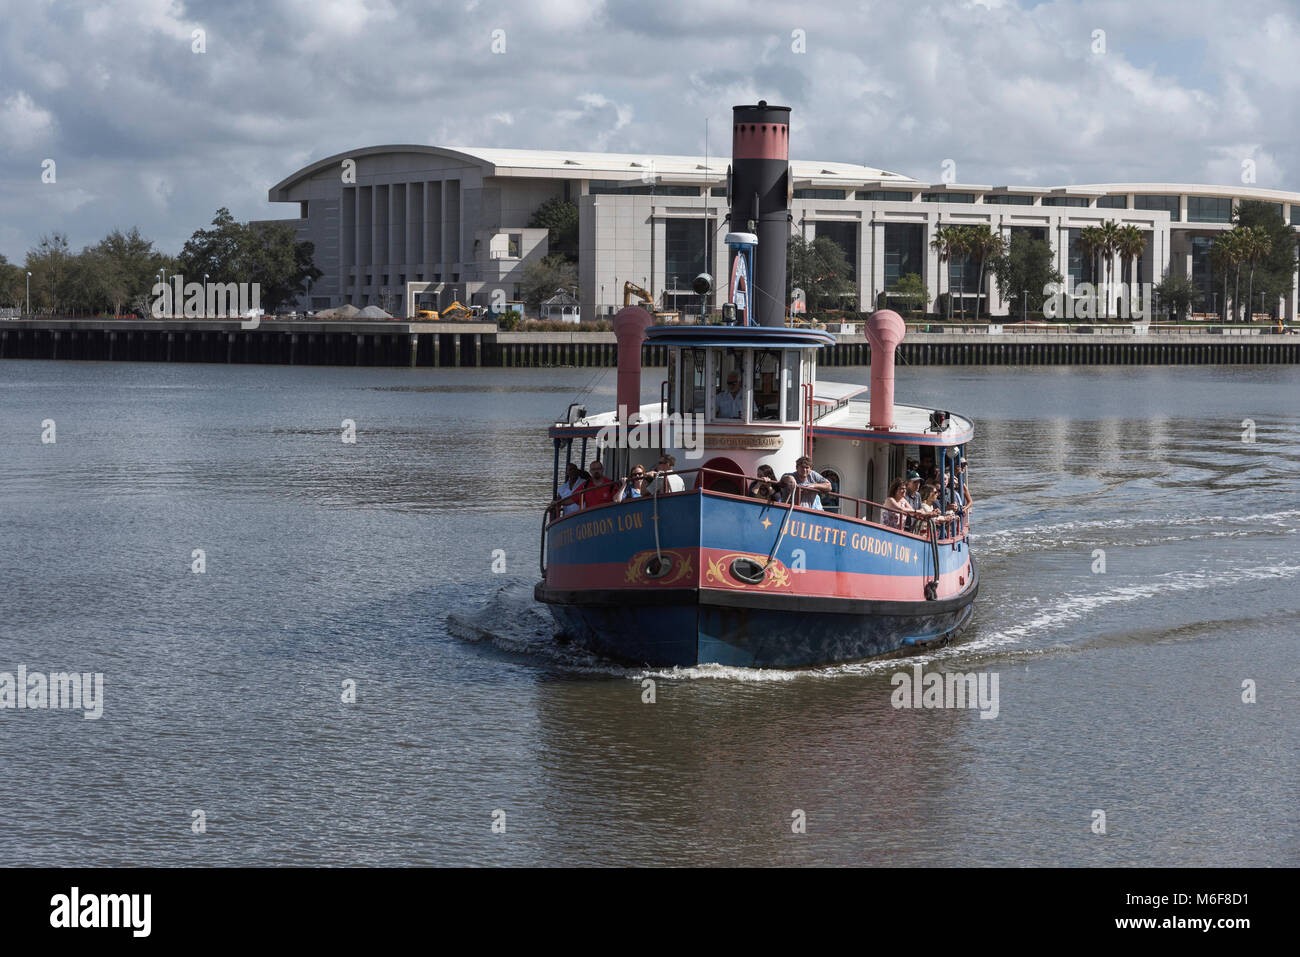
x,y
1091,243
959,247
1256,245
1130,243
1225,253
1110,233
987,244
942,245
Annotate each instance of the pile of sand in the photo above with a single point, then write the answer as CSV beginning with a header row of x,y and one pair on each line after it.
x,y
371,312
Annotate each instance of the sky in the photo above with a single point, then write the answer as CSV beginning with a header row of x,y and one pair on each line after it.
x,y
117,114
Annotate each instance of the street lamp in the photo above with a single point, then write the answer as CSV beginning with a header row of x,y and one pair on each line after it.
x,y
29,294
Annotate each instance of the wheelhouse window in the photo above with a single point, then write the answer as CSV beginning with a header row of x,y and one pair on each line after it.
x,y
729,389
694,379
767,384
792,380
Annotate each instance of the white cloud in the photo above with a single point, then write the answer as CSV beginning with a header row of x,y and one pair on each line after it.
x,y
23,124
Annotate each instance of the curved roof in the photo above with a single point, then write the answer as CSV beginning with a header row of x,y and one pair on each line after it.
x,y
580,165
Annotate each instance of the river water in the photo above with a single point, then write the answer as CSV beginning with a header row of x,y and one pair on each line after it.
x,y
327,563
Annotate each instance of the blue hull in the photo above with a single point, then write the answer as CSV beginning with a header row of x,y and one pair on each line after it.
x,y
685,632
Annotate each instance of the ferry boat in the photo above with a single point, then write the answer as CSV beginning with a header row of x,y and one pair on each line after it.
x,y
700,569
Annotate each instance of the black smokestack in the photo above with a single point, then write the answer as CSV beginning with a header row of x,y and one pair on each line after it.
x,y
760,170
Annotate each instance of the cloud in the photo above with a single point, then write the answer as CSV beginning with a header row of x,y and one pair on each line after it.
x,y
149,133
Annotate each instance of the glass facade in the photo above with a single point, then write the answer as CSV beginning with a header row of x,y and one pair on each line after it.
x,y
904,251
1295,214
1112,202
1168,203
1065,201
963,275
684,255
1034,232
633,187
1080,268
884,195
819,194
947,197
1008,199
844,235
1209,209
1203,272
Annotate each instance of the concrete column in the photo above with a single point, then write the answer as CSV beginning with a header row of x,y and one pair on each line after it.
x,y
865,260
877,262
415,348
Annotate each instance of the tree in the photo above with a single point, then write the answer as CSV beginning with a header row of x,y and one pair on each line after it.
x,y
984,243
1256,245
540,279
1227,253
560,219
912,291
1091,243
942,244
1179,293
264,253
1275,273
1024,270
1110,241
820,269
1130,242
13,286
50,264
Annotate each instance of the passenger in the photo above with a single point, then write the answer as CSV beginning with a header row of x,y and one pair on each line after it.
x,y
631,487
663,480
810,483
765,485
600,489
897,500
967,501
574,480
730,404
930,512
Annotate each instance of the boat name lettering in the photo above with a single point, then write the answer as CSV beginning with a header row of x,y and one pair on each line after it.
x,y
858,541
597,526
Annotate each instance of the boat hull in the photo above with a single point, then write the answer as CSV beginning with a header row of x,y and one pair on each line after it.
x,y
841,590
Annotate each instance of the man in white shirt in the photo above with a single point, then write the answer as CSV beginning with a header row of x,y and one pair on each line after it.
x,y
730,404
810,483
663,480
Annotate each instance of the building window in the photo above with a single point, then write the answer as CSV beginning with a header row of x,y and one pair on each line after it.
x,y
963,274
1065,201
1008,199
401,279
1295,214
1112,202
1203,271
884,195
1080,269
634,187
685,255
1209,209
1148,201
718,191
1033,232
844,235
385,280
947,197
904,249
368,278
819,194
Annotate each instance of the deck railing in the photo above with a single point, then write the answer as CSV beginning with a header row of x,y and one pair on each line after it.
x,y
955,528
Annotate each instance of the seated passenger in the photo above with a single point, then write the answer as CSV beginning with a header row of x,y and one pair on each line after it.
x,y
765,485
600,489
730,404
929,512
631,487
663,480
810,483
574,480
897,502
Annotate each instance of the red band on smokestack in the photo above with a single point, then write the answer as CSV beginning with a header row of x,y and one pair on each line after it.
x,y
760,141
885,330
629,329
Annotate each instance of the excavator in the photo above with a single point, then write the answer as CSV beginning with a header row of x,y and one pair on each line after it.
x,y
631,289
456,312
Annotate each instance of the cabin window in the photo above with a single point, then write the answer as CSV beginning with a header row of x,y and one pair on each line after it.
x,y
728,368
792,379
694,379
831,502
673,358
767,383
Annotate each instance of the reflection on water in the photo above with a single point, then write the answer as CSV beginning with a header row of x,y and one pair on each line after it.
x,y
372,562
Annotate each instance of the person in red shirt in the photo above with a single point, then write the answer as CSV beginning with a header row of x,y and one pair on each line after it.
x,y
600,489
